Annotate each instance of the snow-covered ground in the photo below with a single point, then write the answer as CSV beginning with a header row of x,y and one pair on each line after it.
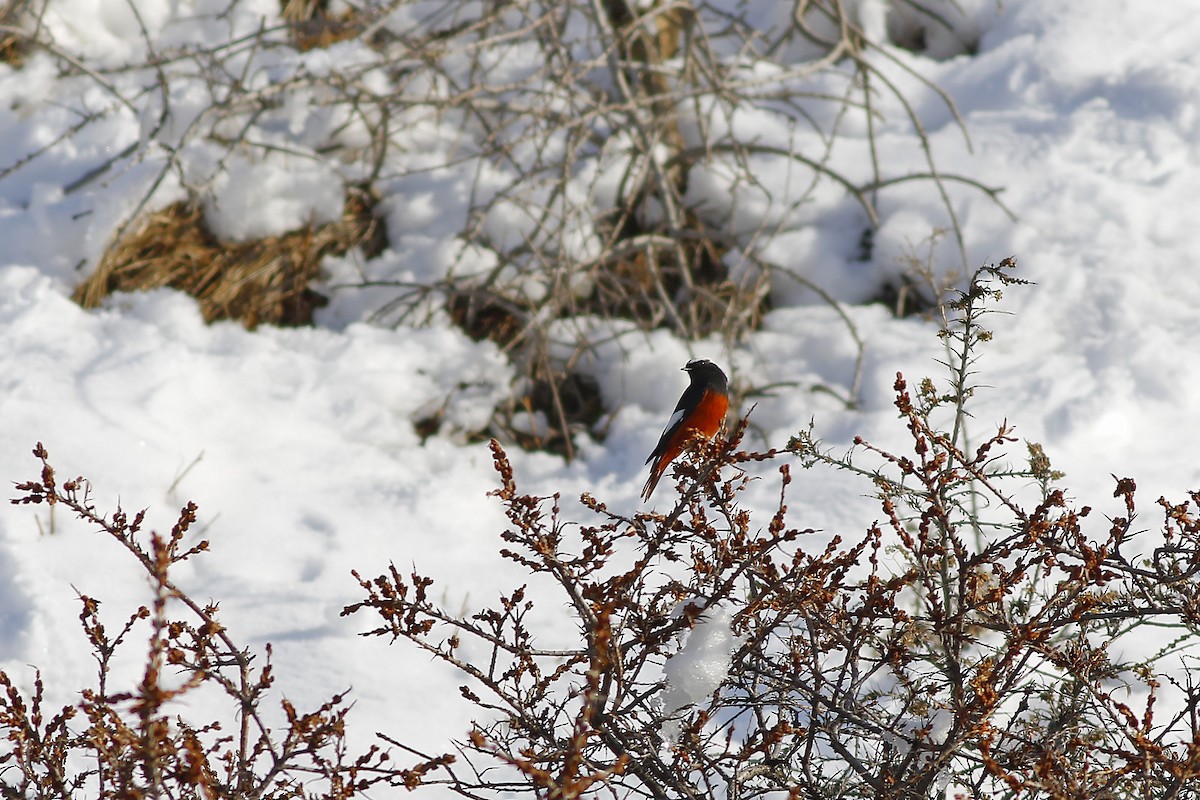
x,y
298,444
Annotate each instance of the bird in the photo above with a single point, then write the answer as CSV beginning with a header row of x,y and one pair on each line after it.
x,y
700,413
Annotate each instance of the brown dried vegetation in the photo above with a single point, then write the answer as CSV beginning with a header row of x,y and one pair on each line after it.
x,y
313,27
265,281
944,645
13,45
130,742
984,633
606,165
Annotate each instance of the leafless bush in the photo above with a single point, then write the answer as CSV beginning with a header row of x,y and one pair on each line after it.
x,y
133,741
984,634
606,157
618,144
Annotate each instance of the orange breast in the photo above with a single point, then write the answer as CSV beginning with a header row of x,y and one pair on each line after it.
x,y
709,416
705,421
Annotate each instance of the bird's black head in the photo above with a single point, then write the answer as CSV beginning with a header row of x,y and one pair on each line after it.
x,y
708,374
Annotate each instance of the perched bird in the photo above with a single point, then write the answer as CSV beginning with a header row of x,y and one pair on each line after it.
x,y
700,413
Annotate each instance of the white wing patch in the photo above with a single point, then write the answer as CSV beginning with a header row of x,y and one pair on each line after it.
x,y
675,419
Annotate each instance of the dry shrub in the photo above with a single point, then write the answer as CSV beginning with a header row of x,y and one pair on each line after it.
x,y
13,45
313,27
140,738
555,404
594,123
671,272
658,277
985,638
541,415
549,405
265,281
649,274
485,315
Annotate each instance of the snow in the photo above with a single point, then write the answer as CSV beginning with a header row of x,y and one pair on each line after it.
x,y
298,445
698,669
252,200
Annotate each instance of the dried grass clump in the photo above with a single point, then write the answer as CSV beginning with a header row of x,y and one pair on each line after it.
x,y
313,27
13,45
265,281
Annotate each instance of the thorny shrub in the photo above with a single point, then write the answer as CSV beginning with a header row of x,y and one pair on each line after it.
x,y
133,741
985,634
607,155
